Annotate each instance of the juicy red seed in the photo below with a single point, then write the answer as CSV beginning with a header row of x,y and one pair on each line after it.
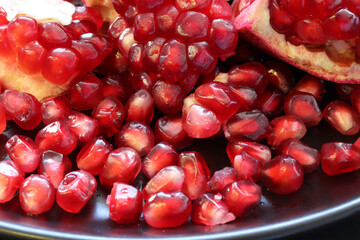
x,y
188,84
136,135
135,58
186,5
75,190
130,14
82,126
4,46
10,179
144,27
169,129
114,63
169,179
117,86
285,127
143,80
256,150
338,158
122,165
221,178
36,194
247,167
117,27
283,175
280,75
308,157
140,107
249,125
280,20
353,5
355,99
196,173
85,92
271,101
304,106
2,119
241,197
210,209
224,37
89,55
78,27
91,14
220,9
344,90
55,109
31,57
168,96
166,18
325,8
296,8
342,117
125,203
310,30
57,137
245,96
53,35
312,85
110,116
20,31
3,14
54,166
24,152
125,41
202,57
151,53
60,65
160,156
93,155
148,4
165,210
343,25
192,26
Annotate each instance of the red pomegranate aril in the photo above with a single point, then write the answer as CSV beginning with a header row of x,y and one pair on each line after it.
x,y
24,152
22,107
52,35
280,20
343,25
282,175
202,57
197,173
247,167
89,55
169,179
144,27
304,106
75,190
20,31
125,203
3,119
5,51
353,5
114,63
280,76
192,26
224,37
245,96
136,135
160,156
91,14
354,98
117,27
221,178
10,179
186,5
151,53
297,8
343,117
102,43
57,137
135,57
312,85
60,65
310,30
122,165
164,210
249,125
338,158
36,194
93,155
241,197
117,86
110,116
3,14
55,109
220,9
140,107
31,57
285,127
308,157
169,129
85,92
210,209
325,8
166,18
54,166
82,126
78,27
271,101
256,150
168,96
143,80
125,41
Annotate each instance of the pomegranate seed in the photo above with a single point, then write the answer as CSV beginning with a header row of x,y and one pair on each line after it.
x,y
93,155
143,81
82,126
220,9
136,135
24,152
117,27
125,203
125,41
151,53
55,109
140,107
304,154
285,127
36,194
3,118
169,129
246,97
283,175
31,57
54,166
221,178
144,27
210,209
166,18
241,197
10,179
304,106
271,101
114,63
78,27
280,20
160,156
224,37
247,167
354,97
101,42
5,51
196,172
122,165
57,137
22,107
88,13
342,25
75,190
311,30
339,157
344,90
164,210
168,96
342,117
20,31
297,8
89,55
312,85
280,76
256,150
116,86
192,26
52,35
323,9
249,125
186,5
202,57
3,14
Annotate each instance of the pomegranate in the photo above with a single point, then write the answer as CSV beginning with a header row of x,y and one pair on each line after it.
x,y
10,179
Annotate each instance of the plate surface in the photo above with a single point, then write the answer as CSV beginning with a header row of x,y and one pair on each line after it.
x,y
320,200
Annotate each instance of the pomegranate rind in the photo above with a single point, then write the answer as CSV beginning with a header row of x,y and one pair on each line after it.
x,y
252,20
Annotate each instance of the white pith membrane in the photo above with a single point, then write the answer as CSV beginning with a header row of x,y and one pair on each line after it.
x,y
252,20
